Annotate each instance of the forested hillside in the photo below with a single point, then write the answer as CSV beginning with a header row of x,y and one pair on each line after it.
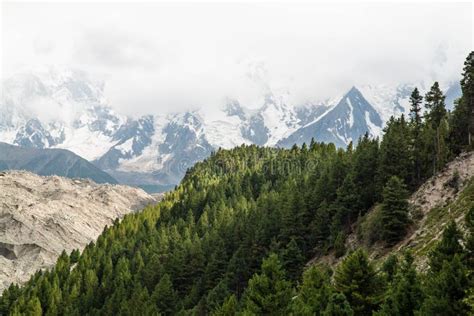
x,y
235,236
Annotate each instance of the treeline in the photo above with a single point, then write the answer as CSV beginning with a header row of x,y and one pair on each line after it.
x,y
235,235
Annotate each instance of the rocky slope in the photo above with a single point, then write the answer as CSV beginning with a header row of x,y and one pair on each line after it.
x,y
444,197
42,216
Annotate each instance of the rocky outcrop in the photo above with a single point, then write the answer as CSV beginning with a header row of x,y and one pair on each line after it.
x,y
444,197
42,216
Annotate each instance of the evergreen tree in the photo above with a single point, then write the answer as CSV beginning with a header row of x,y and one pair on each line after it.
x,y
390,267
228,308
357,280
33,308
467,85
395,158
339,245
435,116
338,306
268,293
446,248
320,228
313,294
405,293
435,105
394,211
164,296
292,260
364,169
447,290
415,120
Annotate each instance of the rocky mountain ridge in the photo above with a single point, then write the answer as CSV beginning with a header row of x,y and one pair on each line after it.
x,y
444,197
50,161
60,108
42,216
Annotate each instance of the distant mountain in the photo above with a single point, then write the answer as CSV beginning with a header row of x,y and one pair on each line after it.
x,y
62,108
352,117
452,94
47,162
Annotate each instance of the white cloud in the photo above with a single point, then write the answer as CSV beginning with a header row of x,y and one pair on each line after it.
x,y
158,57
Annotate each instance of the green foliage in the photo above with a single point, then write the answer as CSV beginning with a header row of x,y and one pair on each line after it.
x,y
390,267
228,308
405,293
395,155
268,293
416,141
446,290
338,306
164,296
339,245
461,136
313,293
447,248
447,282
357,279
200,250
394,214
435,105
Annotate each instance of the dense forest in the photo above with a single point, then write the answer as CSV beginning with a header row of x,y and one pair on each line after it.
x,y
236,235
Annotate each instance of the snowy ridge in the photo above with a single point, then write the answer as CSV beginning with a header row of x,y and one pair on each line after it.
x,y
61,108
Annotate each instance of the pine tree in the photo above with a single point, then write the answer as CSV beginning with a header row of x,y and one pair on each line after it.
x,y
164,296
443,148
435,105
394,211
217,296
415,120
320,227
395,158
435,116
390,267
405,294
446,248
314,292
338,306
339,245
357,279
292,259
447,281
467,85
447,290
268,293
364,169
228,308
33,308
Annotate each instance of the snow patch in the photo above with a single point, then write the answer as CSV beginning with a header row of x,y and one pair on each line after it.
x,y
351,114
373,129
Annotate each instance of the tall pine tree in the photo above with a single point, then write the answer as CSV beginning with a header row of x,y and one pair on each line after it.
x,y
416,124
394,215
357,279
268,293
435,117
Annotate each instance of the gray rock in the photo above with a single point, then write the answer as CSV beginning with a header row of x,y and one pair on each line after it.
x,y
42,216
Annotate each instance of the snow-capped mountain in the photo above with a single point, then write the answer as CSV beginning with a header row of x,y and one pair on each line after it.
x,y
57,108
352,117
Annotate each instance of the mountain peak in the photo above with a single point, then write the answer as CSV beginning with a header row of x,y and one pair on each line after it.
x,y
354,91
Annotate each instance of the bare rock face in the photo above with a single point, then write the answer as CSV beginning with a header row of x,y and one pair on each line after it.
x,y
42,216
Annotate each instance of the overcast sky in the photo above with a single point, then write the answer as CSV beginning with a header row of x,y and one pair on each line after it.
x,y
156,57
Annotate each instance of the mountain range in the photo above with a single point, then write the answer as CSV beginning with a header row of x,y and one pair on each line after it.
x,y
50,161
66,109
